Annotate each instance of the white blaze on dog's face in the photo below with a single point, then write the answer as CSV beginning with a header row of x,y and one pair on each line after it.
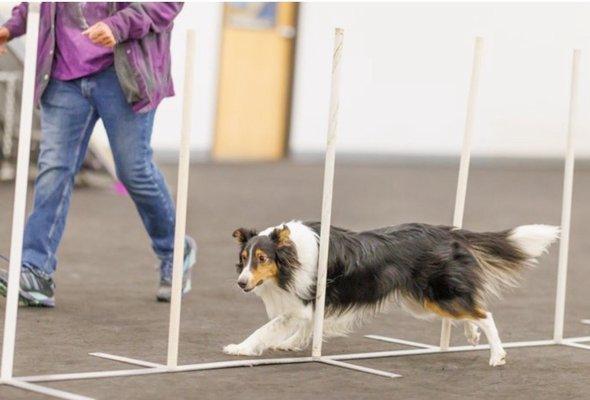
x,y
257,259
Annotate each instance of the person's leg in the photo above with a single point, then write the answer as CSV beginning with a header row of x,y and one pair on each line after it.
x,y
129,135
67,121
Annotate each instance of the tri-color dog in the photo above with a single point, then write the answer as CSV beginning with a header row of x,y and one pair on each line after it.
x,y
429,270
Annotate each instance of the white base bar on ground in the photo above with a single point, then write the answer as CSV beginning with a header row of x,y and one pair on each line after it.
x,y
401,341
227,365
59,394
198,367
585,321
161,370
127,360
578,342
578,339
577,345
341,364
398,353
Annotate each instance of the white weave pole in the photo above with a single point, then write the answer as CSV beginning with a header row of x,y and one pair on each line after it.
x,y
320,298
566,205
181,202
20,192
445,334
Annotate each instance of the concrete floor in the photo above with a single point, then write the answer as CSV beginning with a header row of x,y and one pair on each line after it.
x,y
106,281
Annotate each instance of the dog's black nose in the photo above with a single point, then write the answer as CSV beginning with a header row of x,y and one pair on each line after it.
x,y
242,284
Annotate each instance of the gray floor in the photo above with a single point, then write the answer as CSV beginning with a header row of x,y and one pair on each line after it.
x,y
106,284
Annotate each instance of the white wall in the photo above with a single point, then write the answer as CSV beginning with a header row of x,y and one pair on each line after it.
x,y
406,69
6,7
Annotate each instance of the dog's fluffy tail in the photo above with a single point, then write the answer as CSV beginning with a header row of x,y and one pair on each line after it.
x,y
503,255
533,240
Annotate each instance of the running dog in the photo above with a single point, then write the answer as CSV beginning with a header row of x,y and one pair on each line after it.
x,y
431,271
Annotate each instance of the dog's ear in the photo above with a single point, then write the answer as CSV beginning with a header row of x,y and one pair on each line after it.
x,y
243,235
281,236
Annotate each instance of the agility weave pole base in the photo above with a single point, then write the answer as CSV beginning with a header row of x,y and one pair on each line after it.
x,y
28,382
335,359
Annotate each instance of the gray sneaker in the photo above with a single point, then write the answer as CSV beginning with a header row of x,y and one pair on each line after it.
x,y
190,257
36,288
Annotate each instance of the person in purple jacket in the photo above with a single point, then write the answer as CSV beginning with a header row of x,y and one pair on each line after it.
x,y
108,61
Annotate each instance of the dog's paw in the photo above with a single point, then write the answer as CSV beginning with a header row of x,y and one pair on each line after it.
x,y
473,334
287,347
498,358
240,350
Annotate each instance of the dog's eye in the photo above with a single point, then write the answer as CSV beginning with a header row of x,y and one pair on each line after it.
x,y
262,258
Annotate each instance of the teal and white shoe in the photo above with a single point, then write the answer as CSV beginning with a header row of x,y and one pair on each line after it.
x,y
190,257
36,288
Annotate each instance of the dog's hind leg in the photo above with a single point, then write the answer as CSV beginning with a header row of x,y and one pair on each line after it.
x,y
267,336
497,353
472,333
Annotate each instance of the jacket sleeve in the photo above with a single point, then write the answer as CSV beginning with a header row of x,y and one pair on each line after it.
x,y
137,20
17,24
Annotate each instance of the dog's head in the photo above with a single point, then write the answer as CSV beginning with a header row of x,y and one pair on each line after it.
x,y
264,257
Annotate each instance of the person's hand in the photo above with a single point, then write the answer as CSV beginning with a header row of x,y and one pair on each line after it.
x,y
101,34
4,36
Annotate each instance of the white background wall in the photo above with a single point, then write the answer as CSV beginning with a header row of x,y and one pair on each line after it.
x,y
405,77
406,69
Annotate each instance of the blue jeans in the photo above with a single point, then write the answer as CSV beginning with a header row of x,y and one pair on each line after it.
x,y
69,111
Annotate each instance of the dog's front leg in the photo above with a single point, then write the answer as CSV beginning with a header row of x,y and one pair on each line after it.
x,y
267,336
300,339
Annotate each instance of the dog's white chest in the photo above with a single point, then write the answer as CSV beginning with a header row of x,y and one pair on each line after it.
x,y
280,302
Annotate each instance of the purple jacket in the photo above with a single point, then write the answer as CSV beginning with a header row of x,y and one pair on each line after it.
x,y
142,53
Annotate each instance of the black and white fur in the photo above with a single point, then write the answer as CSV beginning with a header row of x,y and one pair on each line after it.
x,y
429,270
